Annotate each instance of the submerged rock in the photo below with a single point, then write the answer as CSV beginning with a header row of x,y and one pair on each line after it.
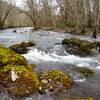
x,y
86,72
16,75
15,31
55,81
79,47
22,47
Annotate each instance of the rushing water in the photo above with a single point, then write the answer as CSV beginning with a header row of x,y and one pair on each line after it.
x,y
50,54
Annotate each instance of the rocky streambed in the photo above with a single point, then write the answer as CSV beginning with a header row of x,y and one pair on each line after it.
x,y
53,66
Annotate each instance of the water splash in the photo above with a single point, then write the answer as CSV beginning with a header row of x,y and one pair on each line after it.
x,y
57,54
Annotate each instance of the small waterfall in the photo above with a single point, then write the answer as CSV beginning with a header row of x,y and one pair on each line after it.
x,y
57,54
58,50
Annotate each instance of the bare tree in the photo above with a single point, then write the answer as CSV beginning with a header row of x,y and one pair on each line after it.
x,y
96,18
48,12
5,10
31,12
79,15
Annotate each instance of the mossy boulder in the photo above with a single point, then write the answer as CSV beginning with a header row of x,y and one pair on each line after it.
x,y
16,75
8,56
22,47
79,47
85,71
55,81
18,80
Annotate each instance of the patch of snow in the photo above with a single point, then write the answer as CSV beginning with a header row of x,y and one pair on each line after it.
x,y
14,75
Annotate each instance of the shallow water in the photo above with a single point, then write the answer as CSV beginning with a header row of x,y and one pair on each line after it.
x,y
50,54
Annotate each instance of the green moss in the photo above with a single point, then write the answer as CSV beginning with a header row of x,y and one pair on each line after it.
x,y
7,56
58,75
12,67
26,81
72,41
87,72
78,46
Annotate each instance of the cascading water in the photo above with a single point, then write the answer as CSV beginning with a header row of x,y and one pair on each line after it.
x,y
58,50
58,54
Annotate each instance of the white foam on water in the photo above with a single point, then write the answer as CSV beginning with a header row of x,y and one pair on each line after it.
x,y
38,55
98,68
7,37
60,38
80,80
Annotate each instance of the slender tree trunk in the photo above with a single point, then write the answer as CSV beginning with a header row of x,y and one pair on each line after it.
x,y
96,18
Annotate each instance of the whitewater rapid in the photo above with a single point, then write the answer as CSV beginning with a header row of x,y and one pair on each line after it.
x,y
58,54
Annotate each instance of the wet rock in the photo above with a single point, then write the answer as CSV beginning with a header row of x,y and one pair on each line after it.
x,y
79,47
56,80
21,82
16,75
86,72
44,81
98,45
41,91
8,56
14,31
22,47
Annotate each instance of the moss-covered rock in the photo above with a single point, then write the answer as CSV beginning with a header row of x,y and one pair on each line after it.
x,y
22,47
18,80
80,47
7,56
85,71
55,80
16,75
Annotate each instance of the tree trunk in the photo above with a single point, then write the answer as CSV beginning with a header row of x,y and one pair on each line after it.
x,y
96,18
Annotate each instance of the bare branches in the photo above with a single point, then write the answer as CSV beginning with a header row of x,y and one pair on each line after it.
x,y
77,14
5,10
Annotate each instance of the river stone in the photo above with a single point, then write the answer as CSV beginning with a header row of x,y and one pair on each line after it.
x,y
8,56
55,77
44,81
79,47
22,47
18,80
16,75
85,71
